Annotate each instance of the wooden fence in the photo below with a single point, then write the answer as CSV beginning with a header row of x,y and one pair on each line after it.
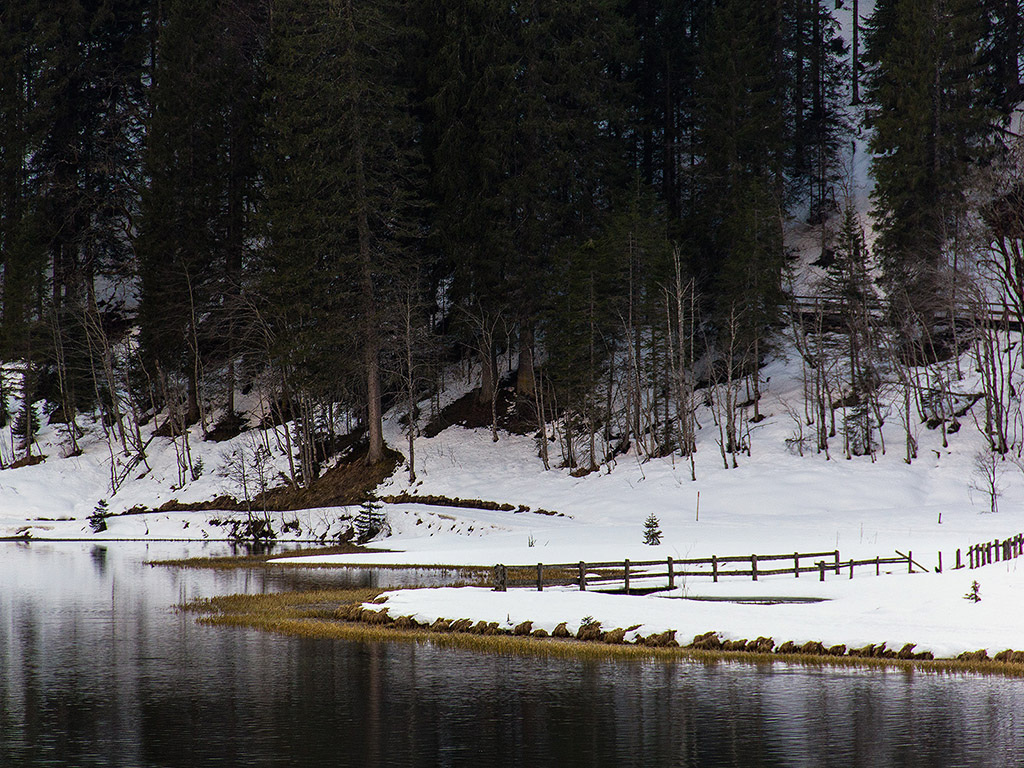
x,y
636,576
979,555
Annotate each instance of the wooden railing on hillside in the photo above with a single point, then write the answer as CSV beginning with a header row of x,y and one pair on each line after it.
x,y
979,555
637,575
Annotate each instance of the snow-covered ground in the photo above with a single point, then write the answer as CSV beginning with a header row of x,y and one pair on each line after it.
x,y
775,502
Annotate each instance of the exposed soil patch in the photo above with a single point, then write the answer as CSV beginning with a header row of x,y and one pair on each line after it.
x,y
449,501
350,482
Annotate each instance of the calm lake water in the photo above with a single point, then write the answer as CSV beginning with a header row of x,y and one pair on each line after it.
x,y
97,669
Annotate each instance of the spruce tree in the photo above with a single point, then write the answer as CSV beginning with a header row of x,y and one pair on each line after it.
x,y
523,112
340,188
200,164
742,197
929,124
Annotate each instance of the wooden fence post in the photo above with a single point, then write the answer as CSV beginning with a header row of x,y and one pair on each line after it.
x,y
540,577
821,570
878,566
714,568
583,576
837,562
796,564
939,569
625,570
753,566
958,563
851,567
910,561
500,580
671,575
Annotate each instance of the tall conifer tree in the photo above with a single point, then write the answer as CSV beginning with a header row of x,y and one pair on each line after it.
x,y
340,184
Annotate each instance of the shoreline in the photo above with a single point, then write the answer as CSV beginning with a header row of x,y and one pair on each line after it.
x,y
345,615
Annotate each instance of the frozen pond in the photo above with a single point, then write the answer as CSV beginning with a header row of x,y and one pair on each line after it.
x,y
97,669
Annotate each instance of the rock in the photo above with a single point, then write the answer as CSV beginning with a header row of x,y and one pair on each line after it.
x,y
539,633
616,636
1017,657
979,655
491,629
709,641
666,639
560,631
521,630
761,645
1003,656
813,648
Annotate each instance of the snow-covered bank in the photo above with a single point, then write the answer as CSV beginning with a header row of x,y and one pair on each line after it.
x,y
775,502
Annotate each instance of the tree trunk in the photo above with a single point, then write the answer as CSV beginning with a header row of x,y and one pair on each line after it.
x,y
525,378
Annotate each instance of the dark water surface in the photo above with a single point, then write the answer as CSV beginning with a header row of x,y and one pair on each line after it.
x,y
97,669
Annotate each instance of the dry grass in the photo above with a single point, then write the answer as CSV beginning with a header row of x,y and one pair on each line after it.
x,y
314,614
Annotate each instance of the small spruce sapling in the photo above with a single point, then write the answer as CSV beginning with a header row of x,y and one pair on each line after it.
x,y
652,534
972,594
98,518
371,521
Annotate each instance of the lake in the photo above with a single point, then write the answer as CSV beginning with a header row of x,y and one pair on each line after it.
x,y
98,669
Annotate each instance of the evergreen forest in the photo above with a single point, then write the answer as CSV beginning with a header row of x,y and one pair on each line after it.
x,y
593,216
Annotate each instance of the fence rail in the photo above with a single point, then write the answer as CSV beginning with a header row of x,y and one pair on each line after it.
x,y
638,575
607,575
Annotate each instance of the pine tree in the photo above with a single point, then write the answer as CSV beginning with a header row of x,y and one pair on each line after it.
x,y
22,237
340,188
652,533
816,88
848,284
200,163
371,521
742,197
523,107
930,123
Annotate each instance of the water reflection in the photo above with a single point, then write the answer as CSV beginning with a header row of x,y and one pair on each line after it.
x,y
97,669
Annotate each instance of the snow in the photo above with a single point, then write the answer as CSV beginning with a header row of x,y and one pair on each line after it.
x,y
775,502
